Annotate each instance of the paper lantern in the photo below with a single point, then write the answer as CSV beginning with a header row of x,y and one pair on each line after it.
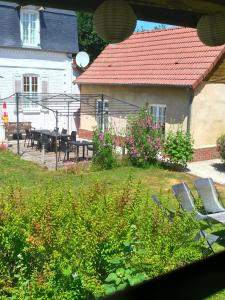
x,y
114,20
211,29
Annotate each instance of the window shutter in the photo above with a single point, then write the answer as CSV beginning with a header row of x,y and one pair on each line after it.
x,y
17,85
44,86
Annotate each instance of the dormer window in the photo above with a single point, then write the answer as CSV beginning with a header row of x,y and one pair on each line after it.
x,y
30,27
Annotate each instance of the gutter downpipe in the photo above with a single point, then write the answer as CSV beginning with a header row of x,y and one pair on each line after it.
x,y
190,97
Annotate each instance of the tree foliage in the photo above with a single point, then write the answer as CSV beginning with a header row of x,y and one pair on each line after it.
x,y
89,41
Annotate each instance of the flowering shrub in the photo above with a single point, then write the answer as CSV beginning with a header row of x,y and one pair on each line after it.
x,y
103,146
221,146
144,139
178,147
60,243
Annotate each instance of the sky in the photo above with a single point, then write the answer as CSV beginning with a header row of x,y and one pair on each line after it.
x,y
142,25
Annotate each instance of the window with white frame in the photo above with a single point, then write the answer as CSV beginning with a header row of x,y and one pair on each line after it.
x,y
30,87
102,114
30,27
158,112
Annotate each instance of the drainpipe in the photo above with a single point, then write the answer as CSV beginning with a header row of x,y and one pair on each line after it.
x,y
190,98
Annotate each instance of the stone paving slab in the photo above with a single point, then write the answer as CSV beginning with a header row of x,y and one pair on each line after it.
x,y
214,168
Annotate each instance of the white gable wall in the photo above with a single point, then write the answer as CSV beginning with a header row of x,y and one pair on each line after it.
x,y
55,68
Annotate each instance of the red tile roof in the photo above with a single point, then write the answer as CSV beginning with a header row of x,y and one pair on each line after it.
x,y
172,56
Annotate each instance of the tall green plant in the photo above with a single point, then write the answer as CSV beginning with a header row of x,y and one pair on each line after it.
x,y
221,146
178,147
143,139
104,150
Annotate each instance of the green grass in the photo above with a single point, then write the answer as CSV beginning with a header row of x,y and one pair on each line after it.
x,y
158,180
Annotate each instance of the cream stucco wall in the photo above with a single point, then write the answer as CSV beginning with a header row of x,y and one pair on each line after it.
x,y
208,114
176,100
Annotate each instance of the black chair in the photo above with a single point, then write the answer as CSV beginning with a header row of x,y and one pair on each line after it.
x,y
36,137
73,136
28,137
64,131
45,142
90,148
65,147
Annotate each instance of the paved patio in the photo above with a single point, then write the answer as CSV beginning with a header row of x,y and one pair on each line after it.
x,y
47,159
214,168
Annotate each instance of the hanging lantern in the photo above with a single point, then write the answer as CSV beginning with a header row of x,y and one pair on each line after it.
x,y
211,29
114,20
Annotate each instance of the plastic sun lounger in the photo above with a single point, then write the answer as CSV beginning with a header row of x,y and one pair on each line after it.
x,y
210,238
208,193
184,197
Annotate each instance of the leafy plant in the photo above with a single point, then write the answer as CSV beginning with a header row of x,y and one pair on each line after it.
x,y
178,148
89,41
66,239
123,274
104,152
144,138
221,146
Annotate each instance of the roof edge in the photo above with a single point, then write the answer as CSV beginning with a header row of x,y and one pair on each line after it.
x,y
134,84
209,70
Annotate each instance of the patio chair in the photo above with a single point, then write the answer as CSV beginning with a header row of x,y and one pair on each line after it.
x,y
64,131
28,137
186,200
209,237
36,138
73,136
66,149
44,142
208,193
167,213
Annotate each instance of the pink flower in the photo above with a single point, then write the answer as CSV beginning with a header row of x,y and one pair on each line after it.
x,y
101,136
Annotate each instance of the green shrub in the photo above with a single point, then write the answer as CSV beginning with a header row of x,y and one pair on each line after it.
x,y
57,244
104,154
178,148
143,139
221,146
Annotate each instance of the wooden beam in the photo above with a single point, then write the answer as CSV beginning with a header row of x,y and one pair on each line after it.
x,y
175,12
167,16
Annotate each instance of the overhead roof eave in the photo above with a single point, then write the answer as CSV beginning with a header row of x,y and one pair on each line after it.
x,y
182,13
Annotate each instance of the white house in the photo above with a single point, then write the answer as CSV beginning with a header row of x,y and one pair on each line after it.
x,y
36,49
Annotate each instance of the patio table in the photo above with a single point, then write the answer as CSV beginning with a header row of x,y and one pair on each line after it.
x,y
79,144
52,134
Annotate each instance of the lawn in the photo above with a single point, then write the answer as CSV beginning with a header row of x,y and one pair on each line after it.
x,y
67,233
157,180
